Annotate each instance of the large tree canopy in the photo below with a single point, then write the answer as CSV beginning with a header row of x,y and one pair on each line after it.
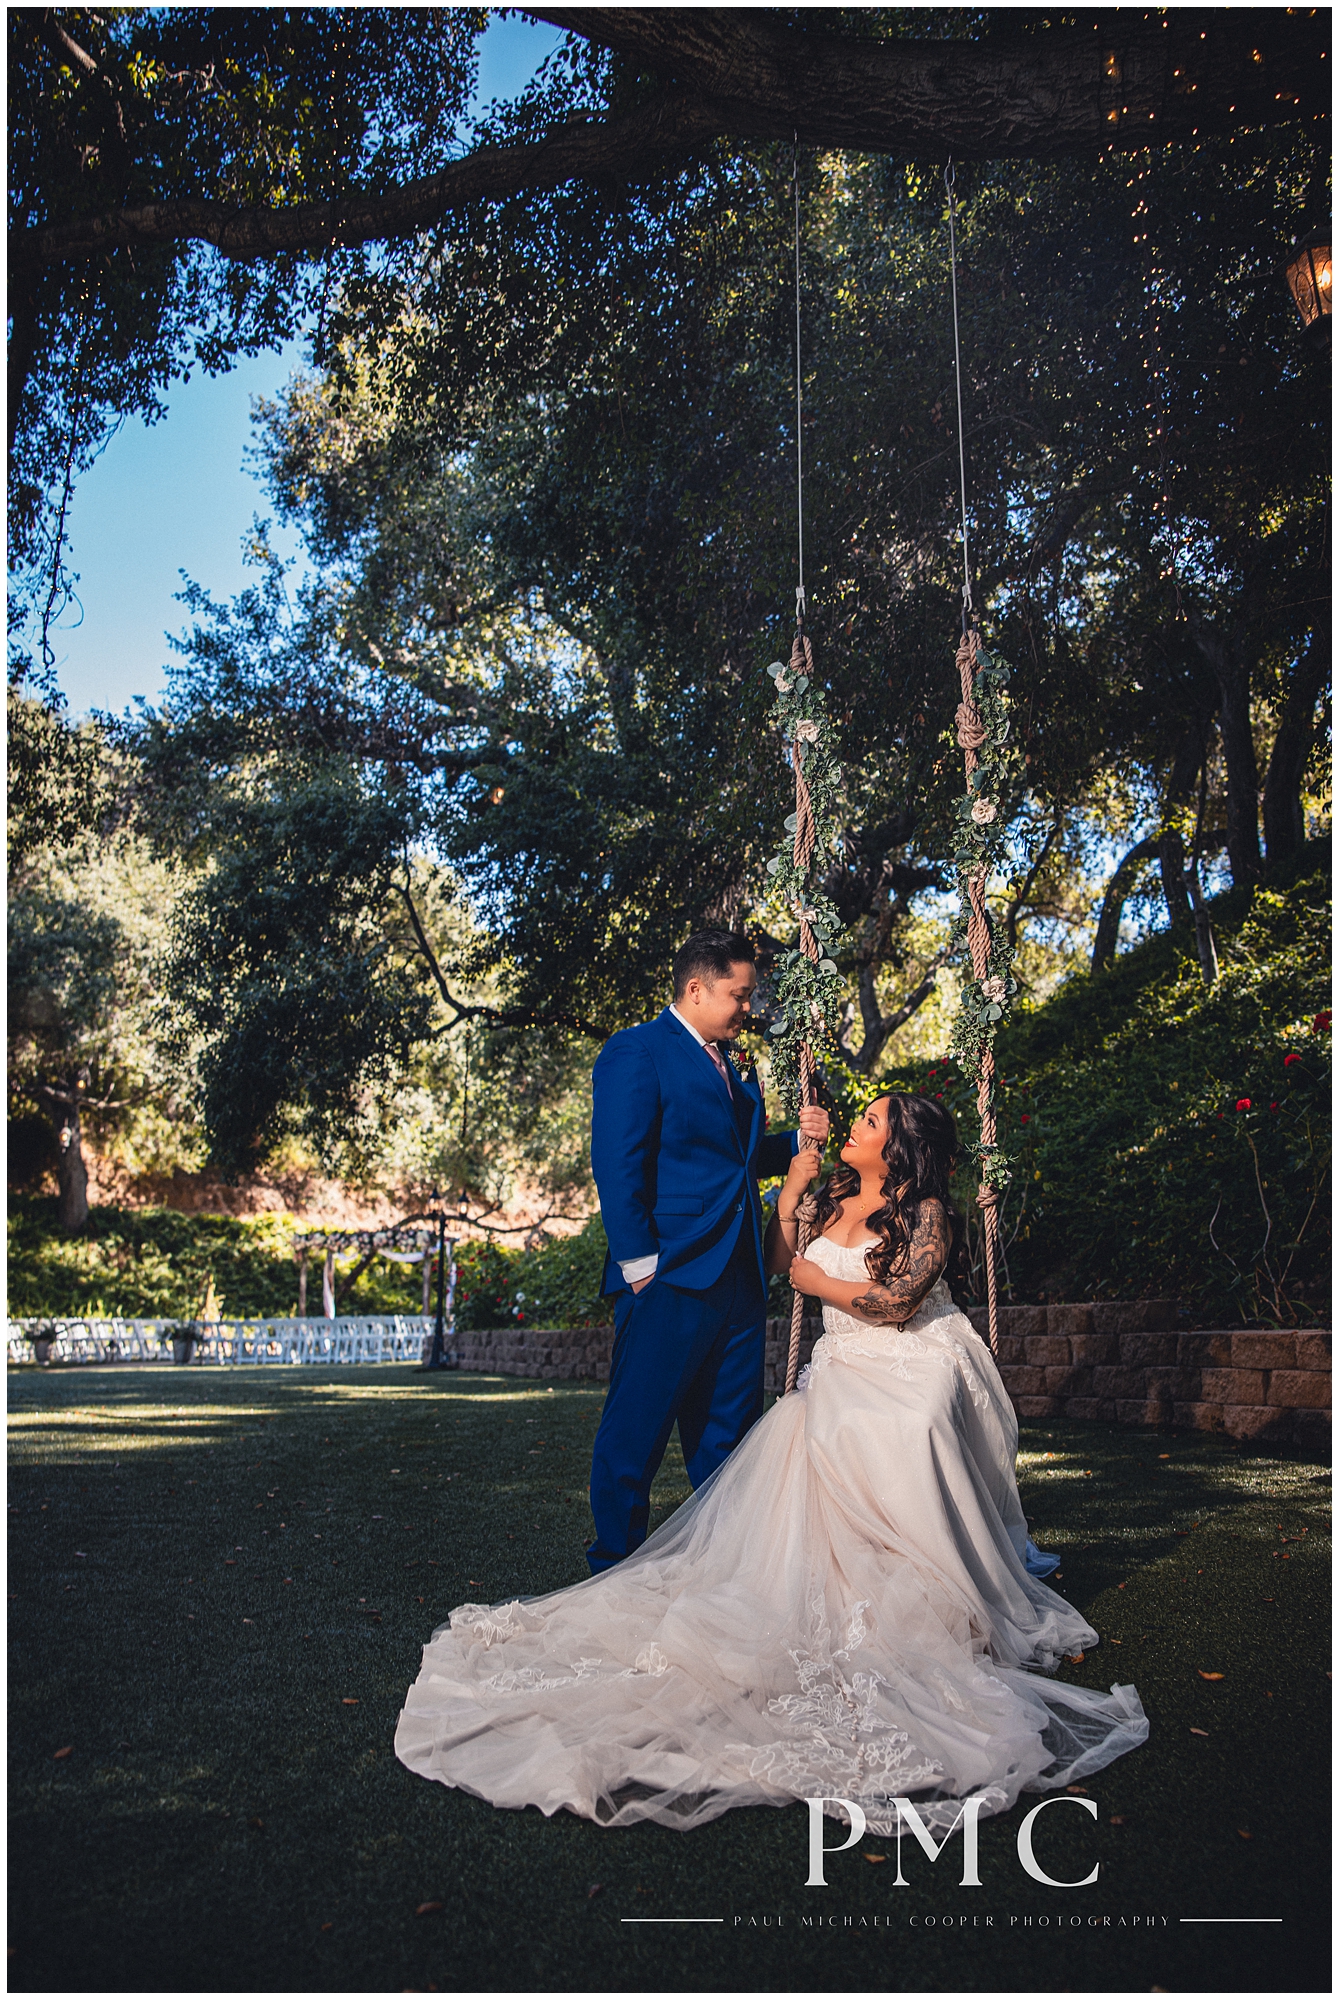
x,y
145,140
552,568
544,469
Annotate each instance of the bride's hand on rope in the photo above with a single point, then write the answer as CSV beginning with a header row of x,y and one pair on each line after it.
x,y
783,1231
808,1277
804,1167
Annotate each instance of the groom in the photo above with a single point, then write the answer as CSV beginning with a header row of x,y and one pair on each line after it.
x,y
678,1146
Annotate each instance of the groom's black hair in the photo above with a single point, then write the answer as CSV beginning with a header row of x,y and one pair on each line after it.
x,y
709,955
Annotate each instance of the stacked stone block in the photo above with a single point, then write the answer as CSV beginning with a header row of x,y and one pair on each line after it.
x,y
1126,1364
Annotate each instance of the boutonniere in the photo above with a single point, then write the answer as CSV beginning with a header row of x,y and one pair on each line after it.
x,y
744,1060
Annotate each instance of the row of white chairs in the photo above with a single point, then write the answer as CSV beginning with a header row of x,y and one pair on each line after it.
x,y
232,1342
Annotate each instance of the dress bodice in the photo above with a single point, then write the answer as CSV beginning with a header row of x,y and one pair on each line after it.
x,y
847,1261
936,1330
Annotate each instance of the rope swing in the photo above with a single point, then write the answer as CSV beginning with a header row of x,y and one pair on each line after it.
x,y
808,986
991,772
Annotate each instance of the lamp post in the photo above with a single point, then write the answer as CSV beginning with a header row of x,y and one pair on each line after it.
x,y
1310,274
438,1357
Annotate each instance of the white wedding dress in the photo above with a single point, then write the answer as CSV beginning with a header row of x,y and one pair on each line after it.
x,y
840,1611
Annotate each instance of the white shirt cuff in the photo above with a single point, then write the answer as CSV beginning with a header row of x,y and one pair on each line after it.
x,y
638,1268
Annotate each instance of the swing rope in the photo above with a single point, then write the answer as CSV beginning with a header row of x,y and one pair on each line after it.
x,y
801,662
971,736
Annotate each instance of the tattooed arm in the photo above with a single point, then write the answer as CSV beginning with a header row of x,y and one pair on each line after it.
x,y
894,1301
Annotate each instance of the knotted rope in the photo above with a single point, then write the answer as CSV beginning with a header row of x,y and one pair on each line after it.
x,y
971,736
802,662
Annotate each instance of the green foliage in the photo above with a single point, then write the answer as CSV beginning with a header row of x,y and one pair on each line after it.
x,y
282,980
983,816
557,1284
147,1263
86,926
806,992
51,773
156,1263
1172,1139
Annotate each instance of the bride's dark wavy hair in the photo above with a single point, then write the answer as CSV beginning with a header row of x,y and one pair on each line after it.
x,y
918,1157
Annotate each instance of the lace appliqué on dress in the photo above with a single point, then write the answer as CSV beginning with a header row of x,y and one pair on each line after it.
x,y
836,1745
923,1337
488,1623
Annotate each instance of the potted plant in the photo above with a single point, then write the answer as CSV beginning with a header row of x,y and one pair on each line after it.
x,y
43,1334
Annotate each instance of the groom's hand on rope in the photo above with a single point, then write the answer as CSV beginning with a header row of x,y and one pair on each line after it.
x,y
815,1124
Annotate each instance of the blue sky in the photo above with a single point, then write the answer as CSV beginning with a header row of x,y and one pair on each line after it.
x,y
175,495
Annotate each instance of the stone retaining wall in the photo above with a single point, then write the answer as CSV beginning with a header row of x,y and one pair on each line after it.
x,y
1127,1364
571,1354
1124,1363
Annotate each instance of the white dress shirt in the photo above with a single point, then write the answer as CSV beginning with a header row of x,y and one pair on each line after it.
x,y
638,1268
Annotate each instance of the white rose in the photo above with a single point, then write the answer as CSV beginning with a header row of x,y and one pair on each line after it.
x,y
806,732
993,989
983,812
783,686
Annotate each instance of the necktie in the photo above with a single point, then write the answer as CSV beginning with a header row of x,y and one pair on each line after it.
x,y
721,1065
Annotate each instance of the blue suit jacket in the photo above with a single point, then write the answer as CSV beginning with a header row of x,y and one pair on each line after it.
x,y
677,1164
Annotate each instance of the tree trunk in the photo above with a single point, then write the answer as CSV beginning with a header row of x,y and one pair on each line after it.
x,y
878,1026
71,1171
1284,827
1113,903
1243,778
1171,848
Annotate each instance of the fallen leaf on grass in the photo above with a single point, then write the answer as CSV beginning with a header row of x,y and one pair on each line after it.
x,y
1199,1732
1075,1659
230,1562
350,1700
1243,1834
427,1909
327,1927
1117,1819
66,1752
257,1823
248,1621
1209,1677
876,1857
1082,1790
595,1889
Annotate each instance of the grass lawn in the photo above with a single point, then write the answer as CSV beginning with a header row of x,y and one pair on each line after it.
x,y
204,1794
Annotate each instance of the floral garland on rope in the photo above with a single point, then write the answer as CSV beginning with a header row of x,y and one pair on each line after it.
x,y
807,986
983,815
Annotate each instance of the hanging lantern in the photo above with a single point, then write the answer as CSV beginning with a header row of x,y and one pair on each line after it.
x,y
1310,276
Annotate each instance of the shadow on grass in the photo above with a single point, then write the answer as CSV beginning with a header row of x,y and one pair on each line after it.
x,y
220,1582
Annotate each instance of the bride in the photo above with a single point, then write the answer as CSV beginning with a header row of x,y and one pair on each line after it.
x,y
842,1611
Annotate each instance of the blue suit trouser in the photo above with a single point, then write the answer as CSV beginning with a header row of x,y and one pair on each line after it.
x,y
679,1355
